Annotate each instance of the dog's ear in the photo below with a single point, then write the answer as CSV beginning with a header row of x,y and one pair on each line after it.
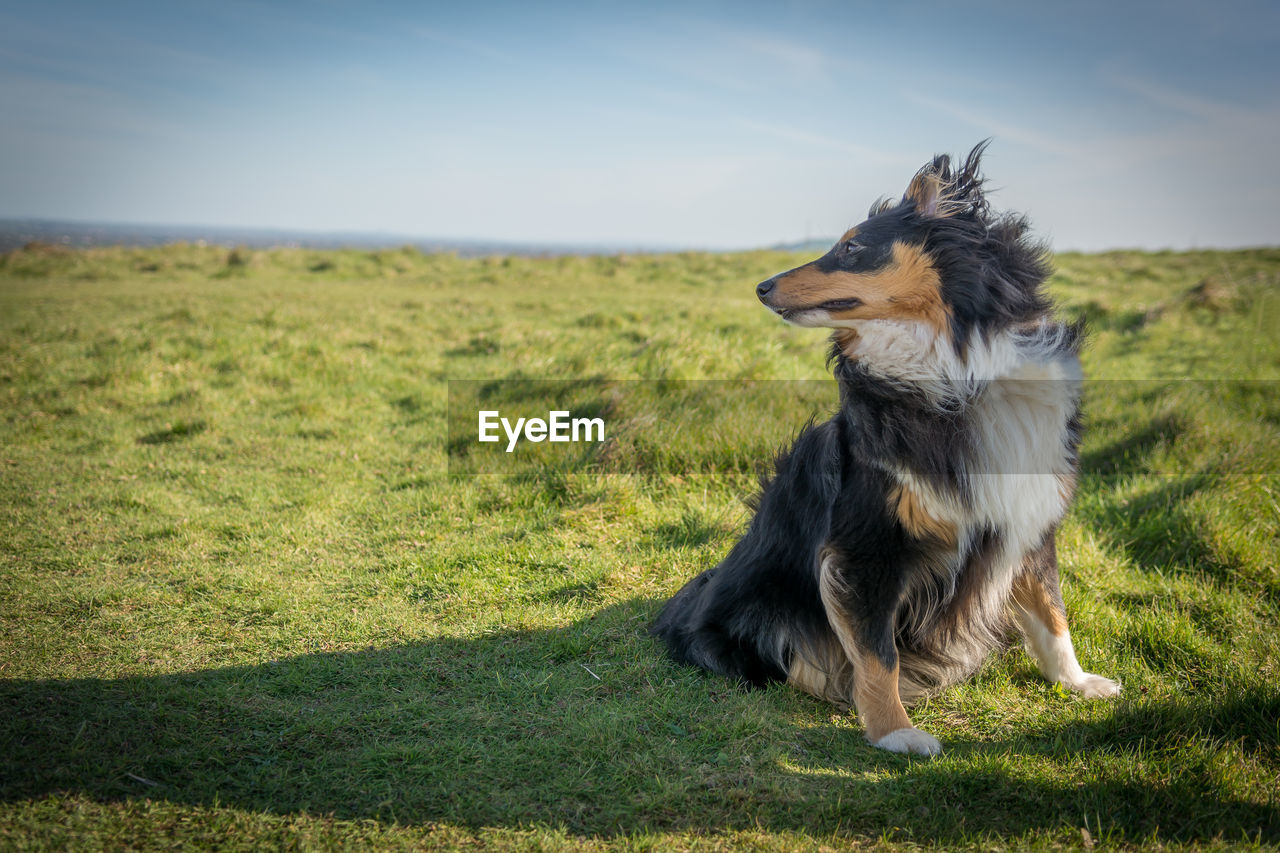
x,y
938,192
927,188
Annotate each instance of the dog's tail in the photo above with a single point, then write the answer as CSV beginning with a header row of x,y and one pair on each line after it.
x,y
695,636
748,617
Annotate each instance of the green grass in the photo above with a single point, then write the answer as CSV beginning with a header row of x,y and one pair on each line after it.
x,y
249,598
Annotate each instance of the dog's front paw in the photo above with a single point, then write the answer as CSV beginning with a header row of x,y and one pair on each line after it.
x,y
910,740
1092,686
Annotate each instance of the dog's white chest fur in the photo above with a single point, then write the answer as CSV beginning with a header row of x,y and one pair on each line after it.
x,y
1021,478
1018,392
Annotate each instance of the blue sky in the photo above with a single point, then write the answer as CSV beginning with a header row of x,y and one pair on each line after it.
x,y
716,125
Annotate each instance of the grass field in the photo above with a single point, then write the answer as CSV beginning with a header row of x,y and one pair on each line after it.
x,y
255,591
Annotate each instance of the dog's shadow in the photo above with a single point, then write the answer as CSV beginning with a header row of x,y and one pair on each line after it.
x,y
585,727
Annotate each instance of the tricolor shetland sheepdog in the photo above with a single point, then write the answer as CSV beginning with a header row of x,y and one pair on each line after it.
x,y
894,542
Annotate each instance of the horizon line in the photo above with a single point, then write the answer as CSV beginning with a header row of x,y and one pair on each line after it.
x,y
17,231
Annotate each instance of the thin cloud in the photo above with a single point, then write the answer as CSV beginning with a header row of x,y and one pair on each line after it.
x,y
464,44
707,52
788,57
1222,136
79,110
995,127
692,69
818,140
1180,101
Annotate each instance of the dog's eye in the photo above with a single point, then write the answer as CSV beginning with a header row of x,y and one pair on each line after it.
x,y
853,247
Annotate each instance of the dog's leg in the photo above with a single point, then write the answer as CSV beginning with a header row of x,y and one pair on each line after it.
x,y
875,670
1037,604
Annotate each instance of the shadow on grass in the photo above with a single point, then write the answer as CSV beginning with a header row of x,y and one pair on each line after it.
x,y
1128,455
690,531
588,728
173,432
1162,528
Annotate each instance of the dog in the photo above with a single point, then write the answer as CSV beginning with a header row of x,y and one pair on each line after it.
x,y
896,542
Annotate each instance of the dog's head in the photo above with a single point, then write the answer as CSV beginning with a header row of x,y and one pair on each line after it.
x,y
937,260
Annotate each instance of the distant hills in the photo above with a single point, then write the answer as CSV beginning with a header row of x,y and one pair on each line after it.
x,y
816,246
15,233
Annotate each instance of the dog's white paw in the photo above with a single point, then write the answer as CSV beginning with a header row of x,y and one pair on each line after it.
x,y
910,740
1092,686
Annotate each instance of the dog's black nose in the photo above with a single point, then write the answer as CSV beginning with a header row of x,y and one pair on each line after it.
x,y
764,288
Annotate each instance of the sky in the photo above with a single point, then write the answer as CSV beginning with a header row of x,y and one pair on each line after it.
x,y
693,124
